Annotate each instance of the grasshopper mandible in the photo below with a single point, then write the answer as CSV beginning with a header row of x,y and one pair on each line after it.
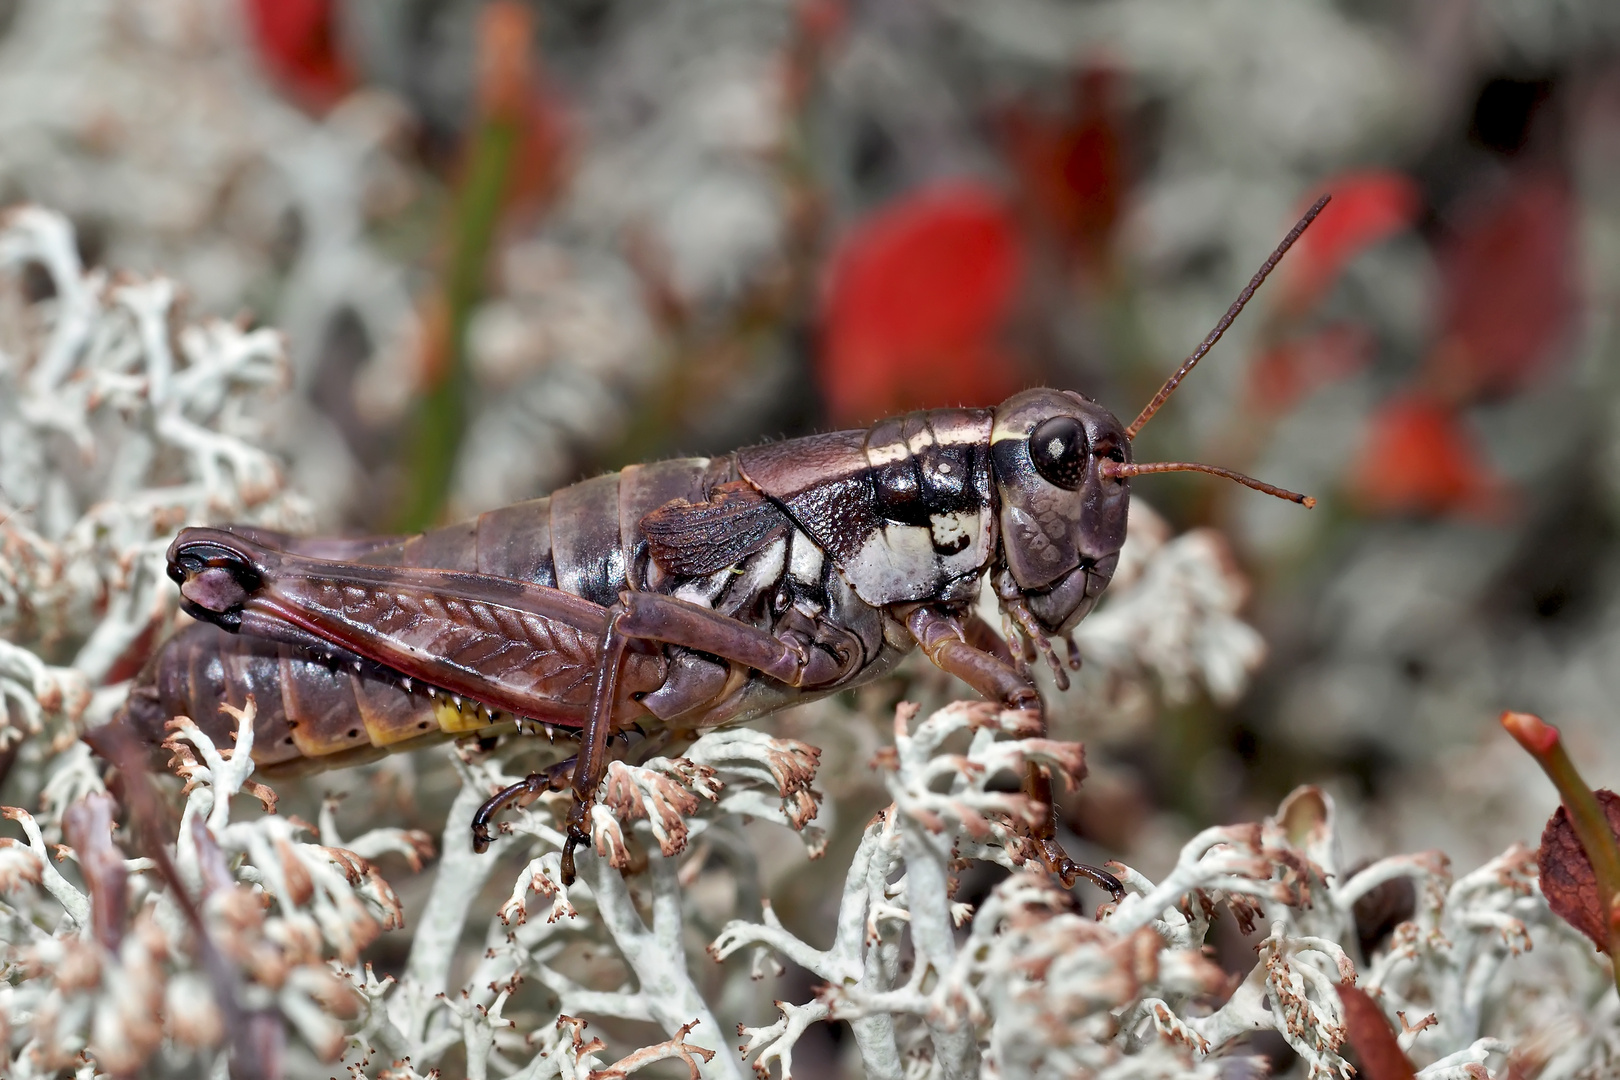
x,y
676,596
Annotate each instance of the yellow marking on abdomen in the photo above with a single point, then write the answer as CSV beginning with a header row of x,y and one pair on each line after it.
x,y
467,719
392,714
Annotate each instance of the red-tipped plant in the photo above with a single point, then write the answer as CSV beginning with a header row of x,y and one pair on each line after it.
x,y
513,154
1579,859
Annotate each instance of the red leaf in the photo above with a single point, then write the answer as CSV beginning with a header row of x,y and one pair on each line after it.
x,y
543,153
512,91
820,21
1282,376
298,42
1368,207
915,298
1509,286
1072,169
1567,879
816,25
1380,1056
1420,458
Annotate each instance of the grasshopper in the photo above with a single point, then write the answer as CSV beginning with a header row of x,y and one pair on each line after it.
x,y
676,596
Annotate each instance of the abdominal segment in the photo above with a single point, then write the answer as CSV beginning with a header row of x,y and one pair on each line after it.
x,y
311,713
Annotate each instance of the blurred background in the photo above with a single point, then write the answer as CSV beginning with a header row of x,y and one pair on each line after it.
x,y
512,244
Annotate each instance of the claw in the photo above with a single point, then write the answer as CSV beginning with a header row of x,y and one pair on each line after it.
x,y
492,806
1068,871
1100,878
578,836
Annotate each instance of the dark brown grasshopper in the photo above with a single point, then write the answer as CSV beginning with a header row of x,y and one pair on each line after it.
x,y
676,596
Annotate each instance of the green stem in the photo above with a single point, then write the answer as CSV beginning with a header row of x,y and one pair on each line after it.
x,y
1586,815
441,413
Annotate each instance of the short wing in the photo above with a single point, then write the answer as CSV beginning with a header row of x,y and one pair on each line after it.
x,y
527,649
903,509
697,539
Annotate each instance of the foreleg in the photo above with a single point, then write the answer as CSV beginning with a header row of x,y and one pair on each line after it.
x,y
944,639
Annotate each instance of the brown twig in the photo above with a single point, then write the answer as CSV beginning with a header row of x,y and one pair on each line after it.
x,y
256,1036
676,1047
87,826
1378,1051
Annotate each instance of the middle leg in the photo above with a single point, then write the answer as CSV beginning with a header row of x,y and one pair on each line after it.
x,y
665,620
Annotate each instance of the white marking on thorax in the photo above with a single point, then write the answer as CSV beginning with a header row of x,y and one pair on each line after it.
x,y
806,561
703,591
892,562
952,528
732,588
760,571
900,561
922,440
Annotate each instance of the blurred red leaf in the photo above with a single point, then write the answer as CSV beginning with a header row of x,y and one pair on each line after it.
x,y
1567,878
1283,375
1508,285
816,25
544,149
1368,206
1420,458
298,42
512,91
916,295
820,20
1072,169
1378,1054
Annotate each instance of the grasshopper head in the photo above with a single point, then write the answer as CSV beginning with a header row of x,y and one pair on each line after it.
x,y
1063,468
1062,511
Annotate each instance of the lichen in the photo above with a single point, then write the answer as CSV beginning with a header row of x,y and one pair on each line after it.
x,y
236,935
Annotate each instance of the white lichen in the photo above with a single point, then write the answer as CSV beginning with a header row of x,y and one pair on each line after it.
x,y
139,947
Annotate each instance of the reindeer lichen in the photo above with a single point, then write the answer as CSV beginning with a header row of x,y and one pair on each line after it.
x,y
132,943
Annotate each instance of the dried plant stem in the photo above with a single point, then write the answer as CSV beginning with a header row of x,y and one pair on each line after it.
x,y
928,897
1591,824
441,413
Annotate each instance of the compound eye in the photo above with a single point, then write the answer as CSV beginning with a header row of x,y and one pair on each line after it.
x,y
1058,449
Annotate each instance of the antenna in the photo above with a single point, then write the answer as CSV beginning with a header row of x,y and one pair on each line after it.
x,y
1191,362
1119,470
